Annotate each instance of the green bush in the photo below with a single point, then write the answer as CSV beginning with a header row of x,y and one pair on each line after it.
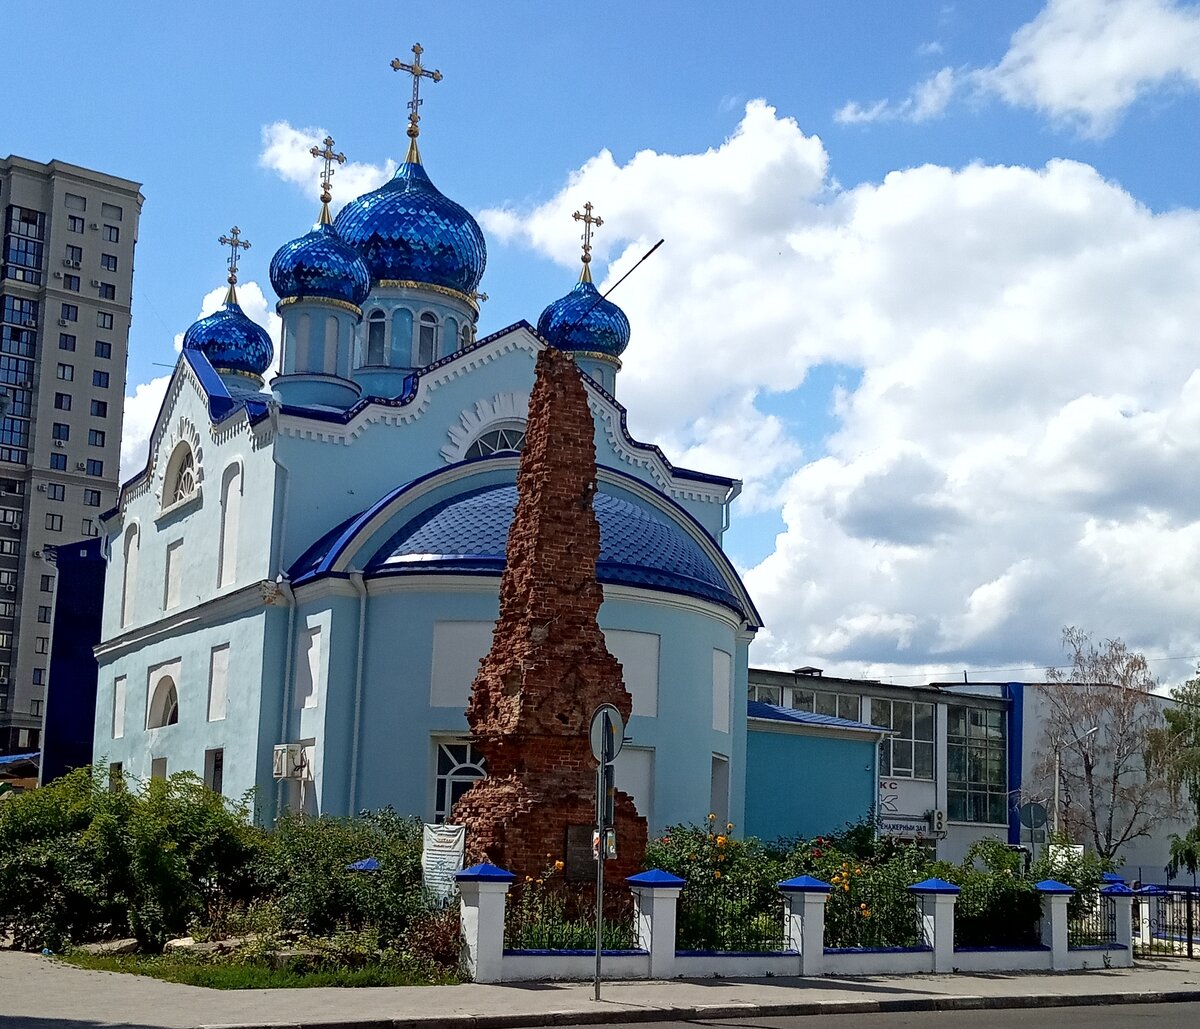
x,y
306,860
80,862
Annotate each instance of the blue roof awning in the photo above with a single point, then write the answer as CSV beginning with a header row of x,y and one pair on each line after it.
x,y
12,759
774,713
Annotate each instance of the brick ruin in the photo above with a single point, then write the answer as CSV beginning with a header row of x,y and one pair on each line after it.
x,y
548,669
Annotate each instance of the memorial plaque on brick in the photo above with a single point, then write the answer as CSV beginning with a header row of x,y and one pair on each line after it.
x,y
580,865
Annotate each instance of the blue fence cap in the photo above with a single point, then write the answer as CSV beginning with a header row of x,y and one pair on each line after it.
x,y
1153,889
804,884
1054,886
1112,877
485,873
1117,890
365,865
655,877
934,886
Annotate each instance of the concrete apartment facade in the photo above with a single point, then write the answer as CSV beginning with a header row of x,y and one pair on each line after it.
x,y
66,282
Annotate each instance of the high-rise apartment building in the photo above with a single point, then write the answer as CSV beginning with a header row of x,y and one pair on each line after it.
x,y
66,281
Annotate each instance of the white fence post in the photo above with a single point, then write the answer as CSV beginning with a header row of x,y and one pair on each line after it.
x,y
482,889
1055,897
938,898
655,898
1122,898
806,898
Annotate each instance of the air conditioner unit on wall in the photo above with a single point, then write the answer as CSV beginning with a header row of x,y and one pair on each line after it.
x,y
58,275
10,588
67,262
95,282
41,487
80,466
59,443
287,761
94,225
63,323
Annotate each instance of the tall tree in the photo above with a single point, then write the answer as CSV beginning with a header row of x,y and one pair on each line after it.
x,y
1175,750
1099,719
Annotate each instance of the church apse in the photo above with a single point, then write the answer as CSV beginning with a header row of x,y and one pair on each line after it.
x,y
548,668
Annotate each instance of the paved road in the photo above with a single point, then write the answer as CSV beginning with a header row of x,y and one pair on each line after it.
x,y
1124,1016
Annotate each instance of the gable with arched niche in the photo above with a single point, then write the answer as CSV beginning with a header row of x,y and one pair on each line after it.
x,y
412,332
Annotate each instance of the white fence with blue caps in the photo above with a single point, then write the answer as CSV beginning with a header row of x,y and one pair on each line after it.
x,y
483,889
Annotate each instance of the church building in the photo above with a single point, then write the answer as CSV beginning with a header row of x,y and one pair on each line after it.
x,y
314,562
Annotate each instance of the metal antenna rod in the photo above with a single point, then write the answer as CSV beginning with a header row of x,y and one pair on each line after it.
x,y
604,295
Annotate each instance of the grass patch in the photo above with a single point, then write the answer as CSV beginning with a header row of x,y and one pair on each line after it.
x,y
231,972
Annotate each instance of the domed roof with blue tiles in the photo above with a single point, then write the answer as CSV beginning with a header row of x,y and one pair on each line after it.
x,y
320,264
638,546
585,321
408,231
231,340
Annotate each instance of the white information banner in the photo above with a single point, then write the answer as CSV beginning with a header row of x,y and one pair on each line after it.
x,y
442,849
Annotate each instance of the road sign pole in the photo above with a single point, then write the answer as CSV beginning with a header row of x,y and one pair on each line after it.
x,y
607,734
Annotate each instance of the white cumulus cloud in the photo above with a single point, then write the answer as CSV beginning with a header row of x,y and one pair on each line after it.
x,y
285,151
928,100
1020,447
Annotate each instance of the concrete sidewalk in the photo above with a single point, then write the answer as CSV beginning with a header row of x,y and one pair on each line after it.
x,y
43,993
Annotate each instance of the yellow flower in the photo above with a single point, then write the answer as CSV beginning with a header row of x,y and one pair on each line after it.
x,y
867,914
858,871
558,866
538,881
712,817
717,874
720,841
549,855
529,878
729,827
863,907
846,887
845,866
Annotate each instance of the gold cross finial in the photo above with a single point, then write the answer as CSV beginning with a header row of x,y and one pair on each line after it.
x,y
417,71
330,159
588,221
235,244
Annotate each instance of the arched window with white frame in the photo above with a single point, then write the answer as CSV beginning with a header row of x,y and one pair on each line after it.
x,y
164,704
376,338
500,439
427,338
129,579
180,481
231,508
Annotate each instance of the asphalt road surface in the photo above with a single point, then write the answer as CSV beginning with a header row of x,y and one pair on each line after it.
x,y
1120,1016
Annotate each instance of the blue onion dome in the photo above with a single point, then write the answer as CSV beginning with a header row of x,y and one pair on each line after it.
x,y
231,340
320,264
584,321
407,231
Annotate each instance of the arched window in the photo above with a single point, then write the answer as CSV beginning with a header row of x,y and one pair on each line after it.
x,y
180,480
329,356
129,582
466,336
231,508
495,441
450,334
164,704
402,334
376,331
458,766
427,333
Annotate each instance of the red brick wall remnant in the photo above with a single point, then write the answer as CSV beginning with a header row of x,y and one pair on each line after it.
x,y
548,669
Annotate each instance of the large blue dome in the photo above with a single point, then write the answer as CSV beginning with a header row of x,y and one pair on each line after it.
x,y
320,264
231,341
638,546
406,230
584,321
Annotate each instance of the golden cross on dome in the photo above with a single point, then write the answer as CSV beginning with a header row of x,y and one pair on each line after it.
x,y
588,221
330,159
235,244
418,72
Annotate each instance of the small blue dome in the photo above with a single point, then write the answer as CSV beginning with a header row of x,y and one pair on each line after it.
x,y
578,322
319,264
407,230
230,340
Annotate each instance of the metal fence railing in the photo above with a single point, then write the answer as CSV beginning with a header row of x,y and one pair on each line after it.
x,y
730,917
1092,921
873,917
1165,921
561,916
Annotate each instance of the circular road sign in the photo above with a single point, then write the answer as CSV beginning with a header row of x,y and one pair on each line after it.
x,y
1033,816
606,718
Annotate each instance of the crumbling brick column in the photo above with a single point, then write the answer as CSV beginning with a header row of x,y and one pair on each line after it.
x,y
549,668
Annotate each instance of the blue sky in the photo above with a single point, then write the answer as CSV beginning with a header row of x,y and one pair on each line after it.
x,y
928,286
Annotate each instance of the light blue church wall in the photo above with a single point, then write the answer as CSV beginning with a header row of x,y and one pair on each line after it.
x,y
800,784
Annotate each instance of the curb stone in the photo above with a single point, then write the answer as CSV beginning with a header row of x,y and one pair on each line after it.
x,y
718,1011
